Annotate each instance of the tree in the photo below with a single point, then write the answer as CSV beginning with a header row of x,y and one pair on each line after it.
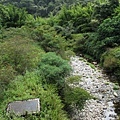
x,y
105,9
49,40
43,7
12,16
110,28
114,3
106,37
77,15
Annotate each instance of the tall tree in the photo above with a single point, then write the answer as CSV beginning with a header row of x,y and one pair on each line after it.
x,y
12,16
114,2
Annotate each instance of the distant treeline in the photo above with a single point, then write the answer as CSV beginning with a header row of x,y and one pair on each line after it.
x,y
42,7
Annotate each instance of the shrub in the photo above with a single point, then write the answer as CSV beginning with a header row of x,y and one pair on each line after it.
x,y
54,69
49,40
109,28
76,97
110,60
28,87
20,53
73,79
7,74
106,37
69,54
79,40
10,33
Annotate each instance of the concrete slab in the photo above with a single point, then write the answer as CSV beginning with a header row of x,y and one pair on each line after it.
x,y
22,107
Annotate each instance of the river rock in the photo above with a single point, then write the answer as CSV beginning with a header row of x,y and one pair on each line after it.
x,y
115,94
94,81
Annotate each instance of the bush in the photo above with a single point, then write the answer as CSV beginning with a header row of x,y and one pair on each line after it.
x,y
20,53
30,87
110,60
76,97
106,37
49,40
73,79
79,40
54,69
69,54
109,28
7,74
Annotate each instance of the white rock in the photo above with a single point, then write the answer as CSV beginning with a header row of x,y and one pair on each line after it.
x,y
93,80
115,94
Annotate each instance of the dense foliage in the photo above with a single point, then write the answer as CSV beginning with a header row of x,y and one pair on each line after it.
x,y
28,87
111,61
76,97
11,16
54,69
42,7
33,50
77,16
49,40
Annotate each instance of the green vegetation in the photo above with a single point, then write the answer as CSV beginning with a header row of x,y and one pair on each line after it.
x,y
116,87
54,69
34,51
10,16
91,65
111,61
76,97
49,40
20,53
73,79
40,7
27,87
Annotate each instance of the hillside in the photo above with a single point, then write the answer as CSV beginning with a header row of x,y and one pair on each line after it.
x,y
38,39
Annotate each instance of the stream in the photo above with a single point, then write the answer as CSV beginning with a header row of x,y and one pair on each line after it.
x,y
98,85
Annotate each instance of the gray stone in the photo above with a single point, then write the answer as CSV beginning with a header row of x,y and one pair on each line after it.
x,y
23,107
93,80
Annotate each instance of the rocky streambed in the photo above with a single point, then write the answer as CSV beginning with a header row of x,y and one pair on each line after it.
x,y
97,84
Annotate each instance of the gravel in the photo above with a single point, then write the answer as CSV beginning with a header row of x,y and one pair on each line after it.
x,y
97,84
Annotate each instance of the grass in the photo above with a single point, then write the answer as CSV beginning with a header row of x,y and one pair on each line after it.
x,y
88,63
107,83
30,87
91,65
116,87
73,79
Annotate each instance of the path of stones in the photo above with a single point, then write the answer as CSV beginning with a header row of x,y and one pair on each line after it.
x,y
96,83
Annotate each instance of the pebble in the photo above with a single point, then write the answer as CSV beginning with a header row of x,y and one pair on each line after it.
x,y
115,94
94,81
